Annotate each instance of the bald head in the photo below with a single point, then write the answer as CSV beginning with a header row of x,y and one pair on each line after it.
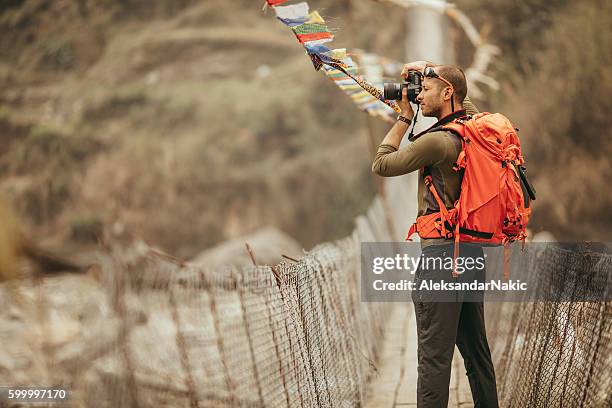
x,y
455,76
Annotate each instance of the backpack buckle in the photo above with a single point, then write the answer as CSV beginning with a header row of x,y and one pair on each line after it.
x,y
463,119
449,235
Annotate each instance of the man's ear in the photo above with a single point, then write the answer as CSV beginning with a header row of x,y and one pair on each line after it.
x,y
448,93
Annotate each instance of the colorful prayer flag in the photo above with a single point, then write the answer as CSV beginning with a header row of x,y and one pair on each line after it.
x,y
275,2
312,32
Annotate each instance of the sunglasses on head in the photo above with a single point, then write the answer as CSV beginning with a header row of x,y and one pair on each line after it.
x,y
429,72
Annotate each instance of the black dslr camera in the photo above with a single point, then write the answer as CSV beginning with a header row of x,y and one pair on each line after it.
x,y
393,91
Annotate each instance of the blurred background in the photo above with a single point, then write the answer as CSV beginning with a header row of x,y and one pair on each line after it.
x,y
188,123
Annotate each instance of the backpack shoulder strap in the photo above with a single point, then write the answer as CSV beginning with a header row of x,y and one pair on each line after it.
x,y
429,183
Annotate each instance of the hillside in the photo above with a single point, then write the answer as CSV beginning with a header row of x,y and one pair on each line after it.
x,y
120,115
187,123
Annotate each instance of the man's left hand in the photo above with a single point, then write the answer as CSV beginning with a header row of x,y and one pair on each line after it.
x,y
415,66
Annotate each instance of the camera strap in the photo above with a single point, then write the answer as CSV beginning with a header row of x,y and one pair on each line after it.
x,y
438,125
372,90
414,122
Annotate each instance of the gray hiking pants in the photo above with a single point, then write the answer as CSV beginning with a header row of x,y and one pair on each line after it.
x,y
443,324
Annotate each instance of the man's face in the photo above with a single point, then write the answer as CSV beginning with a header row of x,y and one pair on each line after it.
x,y
431,97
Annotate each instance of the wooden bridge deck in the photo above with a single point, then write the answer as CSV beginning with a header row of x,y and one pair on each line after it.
x,y
395,384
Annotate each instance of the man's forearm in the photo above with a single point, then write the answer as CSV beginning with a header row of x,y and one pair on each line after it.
x,y
396,134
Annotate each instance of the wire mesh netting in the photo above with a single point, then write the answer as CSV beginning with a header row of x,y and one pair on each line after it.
x,y
295,335
556,353
149,331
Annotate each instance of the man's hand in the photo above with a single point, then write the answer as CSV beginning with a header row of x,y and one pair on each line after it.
x,y
404,105
415,66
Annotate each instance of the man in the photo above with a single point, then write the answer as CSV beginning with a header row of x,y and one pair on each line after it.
x,y
440,325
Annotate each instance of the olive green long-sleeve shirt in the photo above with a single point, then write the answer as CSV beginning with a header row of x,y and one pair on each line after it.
x,y
438,150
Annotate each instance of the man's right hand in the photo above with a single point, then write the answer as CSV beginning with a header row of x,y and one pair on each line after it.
x,y
415,66
404,105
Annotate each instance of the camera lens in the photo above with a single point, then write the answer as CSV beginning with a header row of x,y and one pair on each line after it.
x,y
392,91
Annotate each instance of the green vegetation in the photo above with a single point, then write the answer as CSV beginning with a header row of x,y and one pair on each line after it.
x,y
57,54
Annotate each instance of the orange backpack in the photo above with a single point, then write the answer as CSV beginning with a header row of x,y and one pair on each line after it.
x,y
494,204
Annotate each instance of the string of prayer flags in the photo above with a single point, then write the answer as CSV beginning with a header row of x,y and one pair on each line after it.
x,y
312,32
364,94
306,26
